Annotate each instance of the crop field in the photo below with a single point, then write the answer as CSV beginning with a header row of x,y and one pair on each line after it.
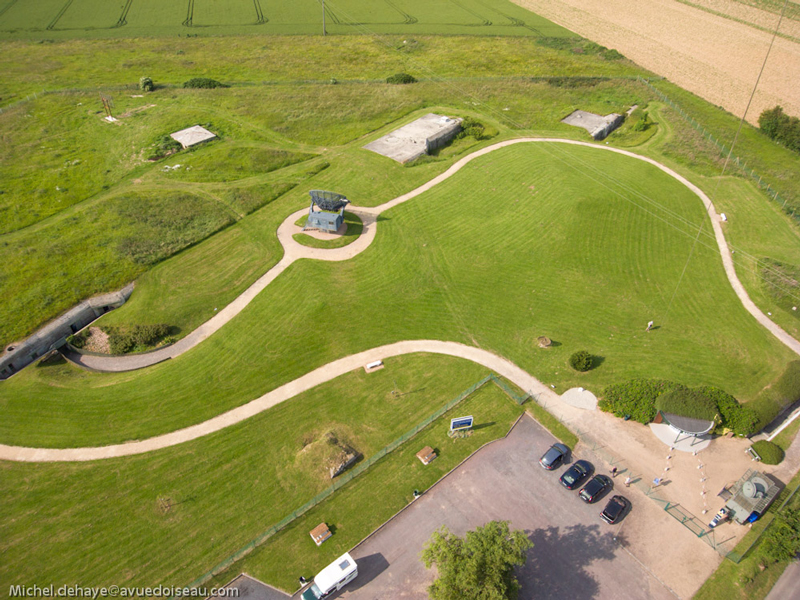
x,y
702,51
95,18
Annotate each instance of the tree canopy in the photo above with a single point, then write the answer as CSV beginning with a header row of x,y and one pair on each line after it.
x,y
479,566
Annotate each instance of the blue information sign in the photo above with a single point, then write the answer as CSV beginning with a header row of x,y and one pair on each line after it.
x,y
461,423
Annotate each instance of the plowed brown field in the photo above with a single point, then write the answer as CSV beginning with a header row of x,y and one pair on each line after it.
x,y
714,57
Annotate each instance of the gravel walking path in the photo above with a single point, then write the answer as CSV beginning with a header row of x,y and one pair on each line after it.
x,y
369,216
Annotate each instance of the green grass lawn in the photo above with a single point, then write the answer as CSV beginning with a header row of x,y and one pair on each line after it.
x,y
357,509
61,163
556,247
354,228
92,18
104,522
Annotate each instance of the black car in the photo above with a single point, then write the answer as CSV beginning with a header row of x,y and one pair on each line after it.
x,y
592,490
573,476
614,509
553,457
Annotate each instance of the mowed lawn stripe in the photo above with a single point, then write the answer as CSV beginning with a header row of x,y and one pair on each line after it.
x,y
434,273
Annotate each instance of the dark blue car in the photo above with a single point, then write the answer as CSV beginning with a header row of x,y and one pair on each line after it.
x,y
573,476
554,456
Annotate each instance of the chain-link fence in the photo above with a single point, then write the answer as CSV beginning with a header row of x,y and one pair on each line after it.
x,y
723,149
355,472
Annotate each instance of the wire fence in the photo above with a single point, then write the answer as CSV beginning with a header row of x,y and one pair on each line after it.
x,y
355,472
695,524
724,150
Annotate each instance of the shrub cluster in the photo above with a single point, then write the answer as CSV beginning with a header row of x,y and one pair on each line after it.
x,y
401,78
163,146
687,403
581,361
636,398
641,399
643,123
782,538
739,418
205,83
122,340
472,128
771,454
780,127
146,84
76,341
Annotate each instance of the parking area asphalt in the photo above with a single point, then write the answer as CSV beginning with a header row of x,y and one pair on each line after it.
x,y
575,554
253,589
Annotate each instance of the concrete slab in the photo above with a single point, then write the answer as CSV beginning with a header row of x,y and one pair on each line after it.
x,y
192,135
668,435
580,398
419,137
598,126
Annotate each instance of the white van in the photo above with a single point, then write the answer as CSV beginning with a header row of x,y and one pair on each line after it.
x,y
332,578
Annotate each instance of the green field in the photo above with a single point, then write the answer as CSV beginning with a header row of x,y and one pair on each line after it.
x,y
104,522
134,18
580,245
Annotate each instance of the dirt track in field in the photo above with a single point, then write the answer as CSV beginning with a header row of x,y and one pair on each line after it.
x,y
714,57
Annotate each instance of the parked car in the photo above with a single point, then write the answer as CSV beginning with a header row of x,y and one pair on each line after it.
x,y
573,476
615,508
554,456
723,515
595,488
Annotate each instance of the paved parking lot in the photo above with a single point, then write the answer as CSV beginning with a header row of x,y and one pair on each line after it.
x,y
574,553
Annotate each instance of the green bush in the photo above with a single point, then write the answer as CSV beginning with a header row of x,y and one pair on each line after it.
x,y
163,146
124,339
643,123
76,341
687,403
205,83
780,127
146,84
581,361
611,54
742,420
401,78
636,398
771,454
782,538
472,128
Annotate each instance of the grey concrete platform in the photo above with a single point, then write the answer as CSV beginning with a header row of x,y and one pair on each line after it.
x,y
417,138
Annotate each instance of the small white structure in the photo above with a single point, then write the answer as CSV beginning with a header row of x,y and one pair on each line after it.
x,y
417,138
332,578
192,135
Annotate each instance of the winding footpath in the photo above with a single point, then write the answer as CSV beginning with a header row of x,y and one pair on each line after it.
x,y
294,251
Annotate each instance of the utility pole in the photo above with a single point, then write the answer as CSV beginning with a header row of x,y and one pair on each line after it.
x,y
323,18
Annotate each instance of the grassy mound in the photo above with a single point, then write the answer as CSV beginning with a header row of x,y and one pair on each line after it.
x,y
687,403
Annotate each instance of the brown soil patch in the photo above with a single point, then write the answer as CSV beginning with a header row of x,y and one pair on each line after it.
x,y
97,341
714,57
